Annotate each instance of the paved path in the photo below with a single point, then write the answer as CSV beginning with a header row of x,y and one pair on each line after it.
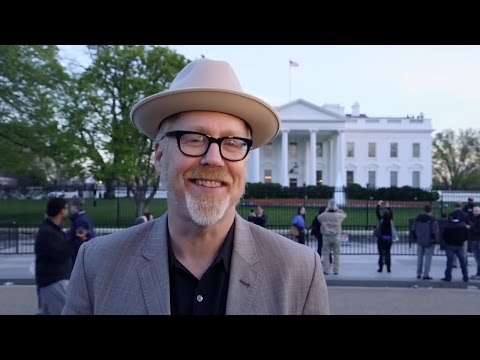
x,y
22,300
359,289
355,270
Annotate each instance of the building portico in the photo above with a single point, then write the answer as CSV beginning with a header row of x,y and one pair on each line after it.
x,y
311,149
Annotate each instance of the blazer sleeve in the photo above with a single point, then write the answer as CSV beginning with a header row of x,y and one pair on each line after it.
x,y
317,297
78,297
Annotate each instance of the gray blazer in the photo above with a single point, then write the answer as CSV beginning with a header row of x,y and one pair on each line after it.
x,y
126,272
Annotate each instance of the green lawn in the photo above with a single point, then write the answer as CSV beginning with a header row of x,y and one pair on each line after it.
x,y
113,213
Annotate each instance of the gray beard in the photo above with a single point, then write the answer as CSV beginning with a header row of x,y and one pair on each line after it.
x,y
206,211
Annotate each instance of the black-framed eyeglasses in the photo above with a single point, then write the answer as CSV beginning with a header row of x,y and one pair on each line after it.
x,y
195,144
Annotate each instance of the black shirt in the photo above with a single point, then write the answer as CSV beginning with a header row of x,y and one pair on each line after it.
x,y
53,254
207,296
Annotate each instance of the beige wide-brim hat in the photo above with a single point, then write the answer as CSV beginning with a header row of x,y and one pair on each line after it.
x,y
207,85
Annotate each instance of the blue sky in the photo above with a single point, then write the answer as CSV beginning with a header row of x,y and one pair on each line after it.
x,y
443,82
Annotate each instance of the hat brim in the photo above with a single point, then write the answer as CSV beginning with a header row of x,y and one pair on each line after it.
x,y
148,114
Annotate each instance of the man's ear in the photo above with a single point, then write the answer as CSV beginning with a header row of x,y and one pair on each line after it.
x,y
158,157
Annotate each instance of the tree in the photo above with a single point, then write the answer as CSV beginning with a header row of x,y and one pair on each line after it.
x,y
456,158
32,88
99,114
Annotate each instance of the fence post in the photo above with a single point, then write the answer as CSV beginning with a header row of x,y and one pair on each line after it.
x,y
118,210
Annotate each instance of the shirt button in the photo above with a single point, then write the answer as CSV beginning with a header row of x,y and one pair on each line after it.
x,y
199,298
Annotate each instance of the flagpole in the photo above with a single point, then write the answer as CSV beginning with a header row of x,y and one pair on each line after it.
x,y
289,82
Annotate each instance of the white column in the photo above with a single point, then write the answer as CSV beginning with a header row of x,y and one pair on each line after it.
x,y
331,163
340,173
284,164
313,158
255,166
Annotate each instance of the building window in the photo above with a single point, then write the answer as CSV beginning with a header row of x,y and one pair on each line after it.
x,y
350,177
393,178
268,151
394,150
350,149
416,150
267,178
319,178
292,150
416,179
319,150
372,150
371,179
293,182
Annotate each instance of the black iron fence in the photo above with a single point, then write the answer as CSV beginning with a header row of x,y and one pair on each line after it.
x,y
20,215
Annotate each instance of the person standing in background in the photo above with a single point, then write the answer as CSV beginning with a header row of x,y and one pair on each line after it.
x,y
384,236
331,227
455,234
468,209
252,216
260,219
463,217
299,222
426,234
81,227
315,230
475,239
53,259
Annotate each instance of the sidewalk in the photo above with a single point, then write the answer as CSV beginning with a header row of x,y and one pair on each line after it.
x,y
355,270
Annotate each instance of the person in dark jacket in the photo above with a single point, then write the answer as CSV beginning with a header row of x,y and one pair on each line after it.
x,y
384,241
81,228
53,259
426,233
465,218
475,239
468,209
260,219
315,231
454,235
384,236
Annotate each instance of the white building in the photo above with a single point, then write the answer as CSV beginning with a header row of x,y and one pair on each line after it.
x,y
323,145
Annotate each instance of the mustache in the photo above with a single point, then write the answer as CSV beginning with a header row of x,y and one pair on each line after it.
x,y
213,174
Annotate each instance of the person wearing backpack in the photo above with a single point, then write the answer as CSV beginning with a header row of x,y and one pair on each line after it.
x,y
425,234
315,230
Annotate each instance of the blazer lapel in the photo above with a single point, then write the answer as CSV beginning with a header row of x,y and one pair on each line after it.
x,y
244,278
153,274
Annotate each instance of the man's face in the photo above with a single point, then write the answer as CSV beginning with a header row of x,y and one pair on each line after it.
x,y
202,188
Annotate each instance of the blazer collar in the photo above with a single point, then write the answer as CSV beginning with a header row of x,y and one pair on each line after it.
x,y
153,274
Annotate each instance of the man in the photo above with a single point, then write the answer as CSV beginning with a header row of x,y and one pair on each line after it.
x,y
260,218
462,216
455,234
331,227
53,259
468,209
81,228
475,238
201,257
426,233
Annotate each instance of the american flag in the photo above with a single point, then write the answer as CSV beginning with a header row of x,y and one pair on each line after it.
x,y
293,63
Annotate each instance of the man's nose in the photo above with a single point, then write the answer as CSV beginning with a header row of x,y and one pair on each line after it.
x,y
213,156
